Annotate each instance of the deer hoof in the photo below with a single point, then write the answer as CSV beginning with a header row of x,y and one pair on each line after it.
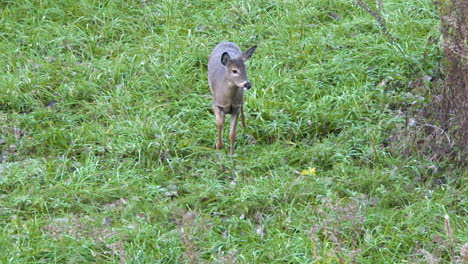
x,y
219,146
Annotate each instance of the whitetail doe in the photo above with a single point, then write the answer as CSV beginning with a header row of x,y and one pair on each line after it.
x,y
227,77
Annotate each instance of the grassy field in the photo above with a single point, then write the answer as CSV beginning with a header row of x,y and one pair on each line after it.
x,y
107,135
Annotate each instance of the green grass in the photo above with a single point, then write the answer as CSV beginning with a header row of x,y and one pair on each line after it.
x,y
107,135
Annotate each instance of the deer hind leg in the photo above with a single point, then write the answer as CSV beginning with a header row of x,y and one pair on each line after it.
x,y
242,116
232,131
220,116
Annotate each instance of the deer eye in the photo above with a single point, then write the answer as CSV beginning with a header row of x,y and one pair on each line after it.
x,y
235,71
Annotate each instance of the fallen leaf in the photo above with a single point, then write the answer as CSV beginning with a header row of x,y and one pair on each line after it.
x,y
309,171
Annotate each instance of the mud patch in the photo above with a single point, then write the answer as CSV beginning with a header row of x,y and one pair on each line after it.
x,y
78,227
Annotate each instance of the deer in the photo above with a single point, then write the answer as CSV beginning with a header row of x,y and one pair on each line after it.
x,y
227,77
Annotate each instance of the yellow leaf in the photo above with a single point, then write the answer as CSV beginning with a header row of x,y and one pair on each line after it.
x,y
313,171
309,171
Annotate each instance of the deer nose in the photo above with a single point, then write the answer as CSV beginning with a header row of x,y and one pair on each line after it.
x,y
247,85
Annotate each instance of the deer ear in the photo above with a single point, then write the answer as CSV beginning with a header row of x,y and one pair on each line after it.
x,y
225,58
248,53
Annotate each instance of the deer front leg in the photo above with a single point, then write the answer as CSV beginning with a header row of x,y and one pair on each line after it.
x,y
232,132
220,116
